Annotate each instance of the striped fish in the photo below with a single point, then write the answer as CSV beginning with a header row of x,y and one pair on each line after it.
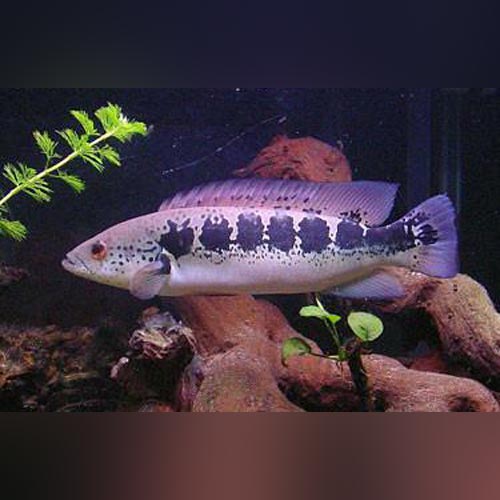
x,y
272,237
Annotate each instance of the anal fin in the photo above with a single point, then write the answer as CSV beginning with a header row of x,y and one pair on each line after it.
x,y
380,285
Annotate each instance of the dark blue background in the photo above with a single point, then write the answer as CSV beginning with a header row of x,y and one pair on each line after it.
x,y
190,124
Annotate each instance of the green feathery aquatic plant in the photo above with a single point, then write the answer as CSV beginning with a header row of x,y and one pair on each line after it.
x,y
365,327
89,145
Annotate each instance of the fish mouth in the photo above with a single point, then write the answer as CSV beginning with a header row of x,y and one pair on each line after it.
x,y
68,264
75,264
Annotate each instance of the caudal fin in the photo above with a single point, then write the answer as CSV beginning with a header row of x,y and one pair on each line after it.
x,y
432,225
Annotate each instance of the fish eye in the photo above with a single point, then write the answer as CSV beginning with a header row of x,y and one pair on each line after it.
x,y
99,250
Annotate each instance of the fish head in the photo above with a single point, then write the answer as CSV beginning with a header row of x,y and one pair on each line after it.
x,y
112,257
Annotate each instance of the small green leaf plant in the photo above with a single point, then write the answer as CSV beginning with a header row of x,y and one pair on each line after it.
x,y
90,144
365,327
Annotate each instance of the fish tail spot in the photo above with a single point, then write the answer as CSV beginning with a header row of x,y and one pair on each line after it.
x,y
433,229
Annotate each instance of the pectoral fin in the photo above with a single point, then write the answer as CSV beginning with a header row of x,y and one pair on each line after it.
x,y
148,281
379,286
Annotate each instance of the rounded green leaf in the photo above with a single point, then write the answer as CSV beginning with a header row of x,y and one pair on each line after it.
x,y
294,347
365,326
313,312
319,313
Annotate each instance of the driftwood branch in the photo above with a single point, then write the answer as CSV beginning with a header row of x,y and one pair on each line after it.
x,y
465,319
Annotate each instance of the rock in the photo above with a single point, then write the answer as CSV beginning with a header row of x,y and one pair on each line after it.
x,y
464,316
10,275
160,352
49,369
156,407
162,338
303,159
321,385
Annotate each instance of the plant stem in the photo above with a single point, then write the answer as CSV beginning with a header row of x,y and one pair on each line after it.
x,y
335,335
322,356
359,375
57,166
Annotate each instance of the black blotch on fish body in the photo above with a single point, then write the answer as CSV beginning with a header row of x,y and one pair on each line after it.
x,y
179,239
216,236
403,235
250,231
394,237
281,233
315,235
349,235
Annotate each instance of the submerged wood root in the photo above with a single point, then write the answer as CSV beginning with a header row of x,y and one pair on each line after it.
x,y
319,385
305,159
465,319
243,369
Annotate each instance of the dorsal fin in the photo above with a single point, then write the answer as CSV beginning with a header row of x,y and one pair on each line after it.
x,y
369,202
